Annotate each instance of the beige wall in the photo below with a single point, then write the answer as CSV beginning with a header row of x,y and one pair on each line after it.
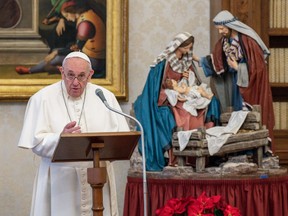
x,y
152,24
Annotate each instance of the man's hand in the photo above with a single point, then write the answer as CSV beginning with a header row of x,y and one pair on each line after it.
x,y
60,28
71,128
51,56
74,47
51,20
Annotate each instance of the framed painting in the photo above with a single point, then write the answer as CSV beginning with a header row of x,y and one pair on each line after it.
x,y
22,44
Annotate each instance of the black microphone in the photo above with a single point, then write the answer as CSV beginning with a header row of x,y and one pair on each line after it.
x,y
100,94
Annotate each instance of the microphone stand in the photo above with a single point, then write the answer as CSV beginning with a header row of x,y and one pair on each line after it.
x,y
143,153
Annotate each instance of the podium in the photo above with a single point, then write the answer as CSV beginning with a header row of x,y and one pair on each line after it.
x,y
96,147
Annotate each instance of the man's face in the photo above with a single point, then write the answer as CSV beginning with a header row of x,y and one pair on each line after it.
x,y
76,74
224,31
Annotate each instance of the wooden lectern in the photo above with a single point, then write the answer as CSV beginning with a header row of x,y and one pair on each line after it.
x,y
96,146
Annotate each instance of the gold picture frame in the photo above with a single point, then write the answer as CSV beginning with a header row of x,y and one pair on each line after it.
x,y
15,87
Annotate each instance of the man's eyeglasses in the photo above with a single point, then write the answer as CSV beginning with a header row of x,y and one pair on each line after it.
x,y
81,77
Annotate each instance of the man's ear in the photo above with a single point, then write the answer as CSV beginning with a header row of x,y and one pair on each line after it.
x,y
91,73
61,69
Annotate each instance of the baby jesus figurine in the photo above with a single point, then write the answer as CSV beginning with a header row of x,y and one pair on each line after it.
x,y
193,96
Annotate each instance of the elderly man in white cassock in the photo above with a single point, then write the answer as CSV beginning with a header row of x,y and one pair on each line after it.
x,y
69,106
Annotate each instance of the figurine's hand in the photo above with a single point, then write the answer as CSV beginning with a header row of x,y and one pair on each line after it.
x,y
185,74
232,63
182,99
195,58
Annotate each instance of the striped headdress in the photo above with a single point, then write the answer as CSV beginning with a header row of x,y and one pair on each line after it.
x,y
225,18
169,53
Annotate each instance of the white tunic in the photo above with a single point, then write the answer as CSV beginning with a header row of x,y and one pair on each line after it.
x,y
61,189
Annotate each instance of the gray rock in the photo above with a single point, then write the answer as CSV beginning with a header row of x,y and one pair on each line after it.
x,y
239,168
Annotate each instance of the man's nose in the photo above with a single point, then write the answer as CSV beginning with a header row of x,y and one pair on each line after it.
x,y
75,81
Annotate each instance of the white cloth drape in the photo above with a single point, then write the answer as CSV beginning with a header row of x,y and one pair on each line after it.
x,y
216,136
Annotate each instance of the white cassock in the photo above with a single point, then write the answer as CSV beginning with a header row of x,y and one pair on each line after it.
x,y
61,189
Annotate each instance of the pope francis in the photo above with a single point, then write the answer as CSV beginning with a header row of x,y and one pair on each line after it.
x,y
68,106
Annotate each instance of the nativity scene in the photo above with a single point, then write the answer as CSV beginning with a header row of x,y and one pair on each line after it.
x,y
227,134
